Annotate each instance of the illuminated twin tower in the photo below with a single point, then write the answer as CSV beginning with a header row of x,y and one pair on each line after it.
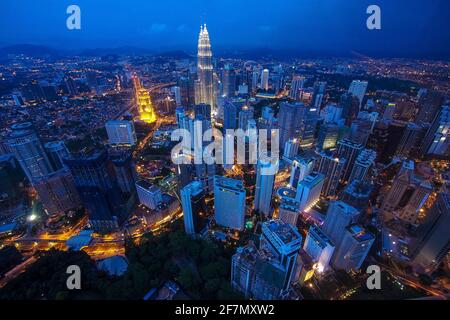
x,y
144,103
204,91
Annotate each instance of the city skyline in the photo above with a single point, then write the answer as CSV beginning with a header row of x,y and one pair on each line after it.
x,y
137,176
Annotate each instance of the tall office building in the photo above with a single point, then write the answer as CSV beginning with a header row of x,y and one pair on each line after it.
x,y
28,150
193,204
350,107
363,164
357,194
176,91
358,89
289,210
229,202
56,152
348,150
243,265
412,138
231,110
339,216
57,192
264,188
319,247
149,194
244,116
301,167
98,189
121,132
296,85
318,94
205,86
143,101
264,79
437,139
407,195
202,111
297,121
124,169
308,191
433,239
284,242
332,113
353,250
332,168
328,136
255,274
290,149
229,81
429,104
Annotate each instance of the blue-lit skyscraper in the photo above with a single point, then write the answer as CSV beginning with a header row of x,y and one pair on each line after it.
x,y
264,188
229,202
193,204
283,241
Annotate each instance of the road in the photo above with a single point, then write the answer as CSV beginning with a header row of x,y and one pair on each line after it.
x,y
16,271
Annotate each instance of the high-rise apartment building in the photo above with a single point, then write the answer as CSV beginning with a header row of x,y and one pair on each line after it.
x,y
229,202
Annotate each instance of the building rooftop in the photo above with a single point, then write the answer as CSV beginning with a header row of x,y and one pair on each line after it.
x,y
148,186
229,183
283,231
359,233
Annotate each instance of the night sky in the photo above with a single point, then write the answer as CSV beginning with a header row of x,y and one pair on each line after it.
x,y
410,27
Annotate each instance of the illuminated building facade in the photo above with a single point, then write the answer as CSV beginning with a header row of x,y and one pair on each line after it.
x,y
144,103
204,88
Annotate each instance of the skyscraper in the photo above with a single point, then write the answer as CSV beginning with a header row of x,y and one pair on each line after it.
x,y
353,249
437,139
290,149
205,70
284,242
193,204
264,79
297,121
57,192
97,188
348,150
149,194
358,89
363,163
26,146
56,152
332,168
296,85
143,101
319,247
288,211
264,188
229,202
429,104
301,167
433,239
328,135
339,216
308,190
407,195
229,80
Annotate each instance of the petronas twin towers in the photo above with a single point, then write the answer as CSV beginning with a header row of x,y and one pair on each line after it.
x,y
204,88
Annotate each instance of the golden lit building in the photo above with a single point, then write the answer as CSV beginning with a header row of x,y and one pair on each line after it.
x,y
144,103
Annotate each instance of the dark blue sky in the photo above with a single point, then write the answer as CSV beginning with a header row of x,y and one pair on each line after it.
x,y
408,26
